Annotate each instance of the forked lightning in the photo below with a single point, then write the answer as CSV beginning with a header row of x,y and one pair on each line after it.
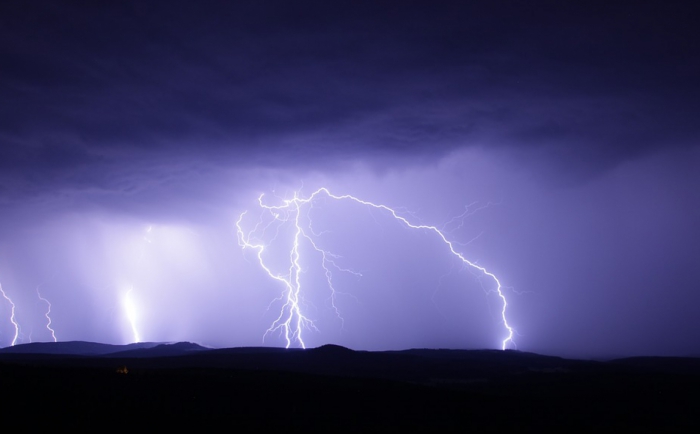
x,y
291,321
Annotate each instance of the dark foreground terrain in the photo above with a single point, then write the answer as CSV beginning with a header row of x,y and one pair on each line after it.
x,y
97,386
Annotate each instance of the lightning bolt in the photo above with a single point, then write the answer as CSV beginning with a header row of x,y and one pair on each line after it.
x,y
291,321
130,309
128,301
12,316
47,314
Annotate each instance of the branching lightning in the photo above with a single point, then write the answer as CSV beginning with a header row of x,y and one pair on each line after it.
x,y
47,315
12,316
291,321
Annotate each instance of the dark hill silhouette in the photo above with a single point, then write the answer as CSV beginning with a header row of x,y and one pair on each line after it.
x,y
332,349
669,365
76,348
333,387
159,350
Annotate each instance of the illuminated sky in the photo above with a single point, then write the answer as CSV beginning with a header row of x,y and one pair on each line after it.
x,y
133,135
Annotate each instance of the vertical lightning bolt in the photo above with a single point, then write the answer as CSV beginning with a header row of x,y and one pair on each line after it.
x,y
291,321
47,315
128,301
12,316
130,309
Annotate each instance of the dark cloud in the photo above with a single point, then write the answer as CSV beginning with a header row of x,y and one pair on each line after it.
x,y
604,81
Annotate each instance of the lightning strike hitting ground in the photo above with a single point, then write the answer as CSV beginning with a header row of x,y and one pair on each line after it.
x,y
47,315
128,301
12,316
130,309
291,321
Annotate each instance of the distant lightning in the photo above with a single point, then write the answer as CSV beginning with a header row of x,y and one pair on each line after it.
x,y
291,321
128,302
47,315
130,309
12,316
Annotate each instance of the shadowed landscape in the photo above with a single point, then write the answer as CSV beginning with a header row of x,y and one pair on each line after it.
x,y
81,383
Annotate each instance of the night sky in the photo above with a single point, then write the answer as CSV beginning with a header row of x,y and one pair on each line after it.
x,y
134,134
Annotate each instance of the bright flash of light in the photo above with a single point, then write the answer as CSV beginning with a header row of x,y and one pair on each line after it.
x,y
47,315
127,300
130,309
12,316
291,321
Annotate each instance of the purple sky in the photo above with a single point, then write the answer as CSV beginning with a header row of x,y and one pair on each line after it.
x,y
571,129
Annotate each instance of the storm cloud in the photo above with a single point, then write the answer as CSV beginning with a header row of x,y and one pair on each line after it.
x,y
572,127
